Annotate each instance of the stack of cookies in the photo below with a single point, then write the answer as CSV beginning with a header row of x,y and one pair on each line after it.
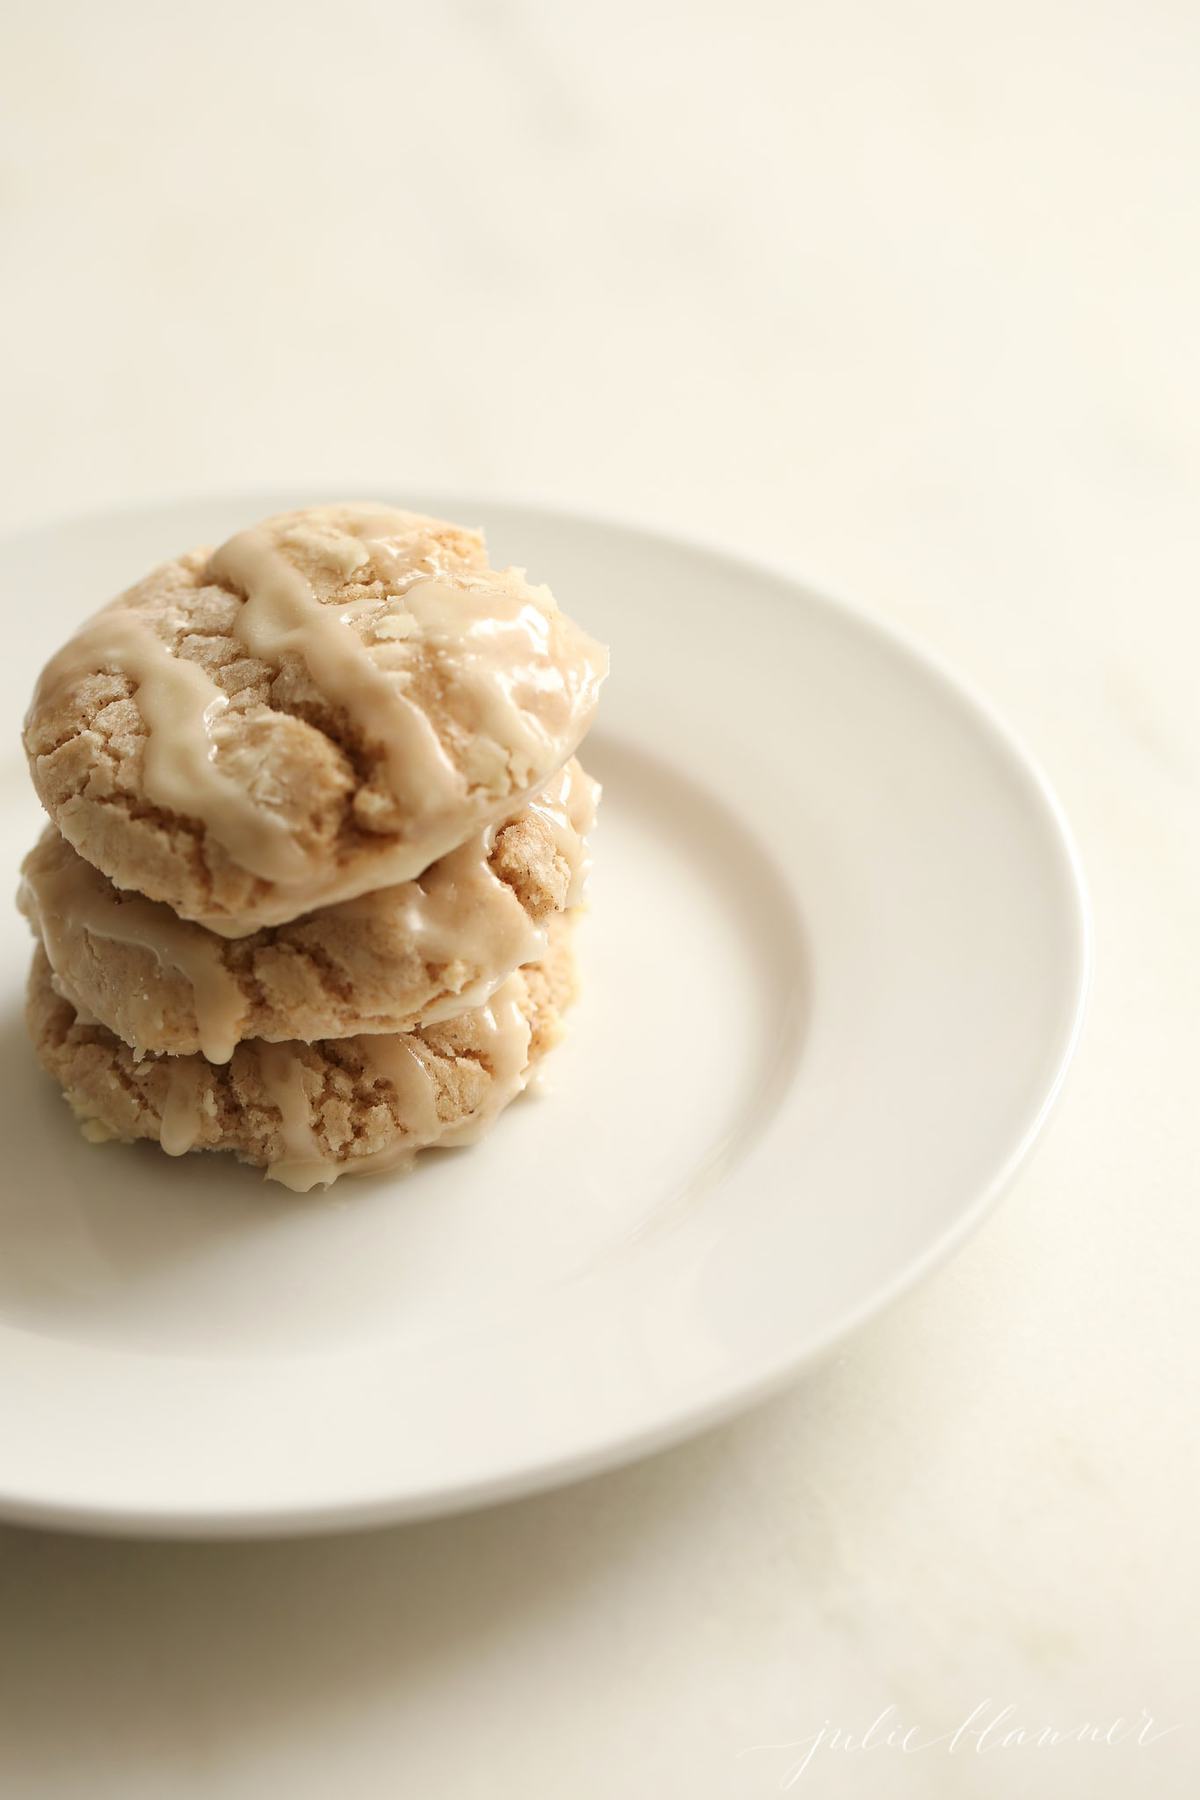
x,y
317,841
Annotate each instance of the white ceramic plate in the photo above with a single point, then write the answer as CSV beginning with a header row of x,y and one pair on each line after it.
x,y
834,972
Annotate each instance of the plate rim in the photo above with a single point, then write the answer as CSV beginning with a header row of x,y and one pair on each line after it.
x,y
744,1387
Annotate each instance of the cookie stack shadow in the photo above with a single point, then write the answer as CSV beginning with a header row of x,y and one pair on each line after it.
x,y
244,731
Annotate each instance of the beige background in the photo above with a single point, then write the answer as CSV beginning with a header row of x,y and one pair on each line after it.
x,y
904,297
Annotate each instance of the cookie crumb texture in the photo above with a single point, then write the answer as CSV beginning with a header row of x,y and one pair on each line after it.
x,y
310,1112
323,706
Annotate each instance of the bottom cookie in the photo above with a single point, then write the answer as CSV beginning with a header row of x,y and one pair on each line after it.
x,y
309,1113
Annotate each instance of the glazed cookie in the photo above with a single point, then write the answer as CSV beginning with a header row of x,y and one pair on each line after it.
x,y
310,1113
387,962
325,705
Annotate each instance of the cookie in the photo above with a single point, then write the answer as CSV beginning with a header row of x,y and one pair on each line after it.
x,y
324,705
390,961
309,1113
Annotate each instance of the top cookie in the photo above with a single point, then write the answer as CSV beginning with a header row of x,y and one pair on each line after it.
x,y
323,706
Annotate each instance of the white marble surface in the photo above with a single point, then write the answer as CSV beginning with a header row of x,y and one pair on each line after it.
x,y
903,296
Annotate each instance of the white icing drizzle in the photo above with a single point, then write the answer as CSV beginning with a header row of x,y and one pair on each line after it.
x,y
63,895
493,637
567,805
182,1113
501,1039
180,705
283,614
394,1059
459,917
304,1163
506,1046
